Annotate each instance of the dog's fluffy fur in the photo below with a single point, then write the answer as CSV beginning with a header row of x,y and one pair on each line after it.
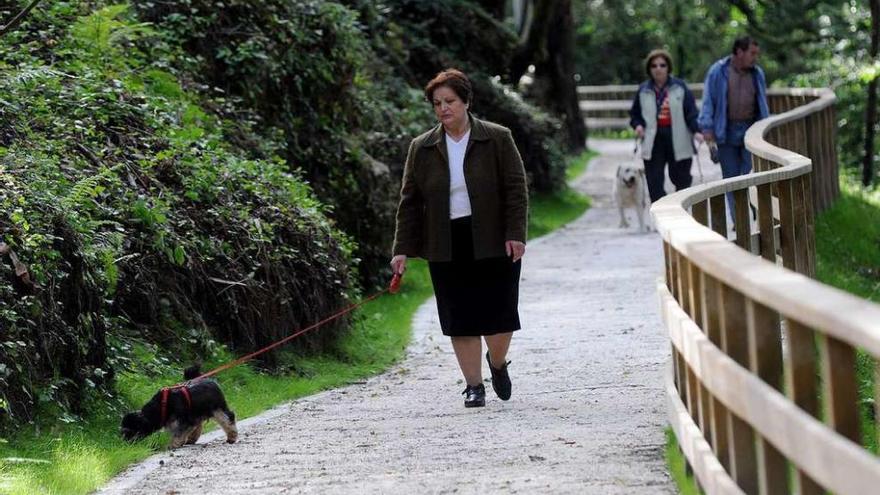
x,y
183,421
630,190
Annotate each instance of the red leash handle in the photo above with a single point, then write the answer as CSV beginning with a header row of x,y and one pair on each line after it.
x,y
394,286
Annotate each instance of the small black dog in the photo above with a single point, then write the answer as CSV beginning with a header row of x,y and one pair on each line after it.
x,y
182,410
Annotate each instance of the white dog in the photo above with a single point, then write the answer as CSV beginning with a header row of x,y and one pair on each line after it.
x,y
631,190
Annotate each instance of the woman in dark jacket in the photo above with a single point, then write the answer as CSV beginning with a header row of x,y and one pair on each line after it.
x,y
664,116
463,205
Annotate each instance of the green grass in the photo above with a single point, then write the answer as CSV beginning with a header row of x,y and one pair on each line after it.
x,y
686,483
560,209
577,165
75,458
848,257
548,212
627,133
848,242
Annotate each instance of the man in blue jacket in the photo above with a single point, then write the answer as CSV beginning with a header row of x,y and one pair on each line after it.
x,y
734,97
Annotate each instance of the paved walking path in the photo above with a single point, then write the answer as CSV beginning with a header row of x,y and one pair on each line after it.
x,y
587,413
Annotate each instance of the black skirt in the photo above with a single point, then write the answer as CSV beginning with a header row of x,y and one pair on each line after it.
x,y
475,297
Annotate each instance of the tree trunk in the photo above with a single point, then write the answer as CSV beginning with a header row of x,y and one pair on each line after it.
x,y
871,108
549,46
561,70
533,43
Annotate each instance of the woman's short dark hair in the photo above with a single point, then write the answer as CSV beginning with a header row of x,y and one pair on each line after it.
x,y
453,79
743,43
658,53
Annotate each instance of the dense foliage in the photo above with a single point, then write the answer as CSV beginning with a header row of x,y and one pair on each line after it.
x,y
182,176
139,214
337,85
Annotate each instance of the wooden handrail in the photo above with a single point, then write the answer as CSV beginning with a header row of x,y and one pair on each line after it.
x,y
727,306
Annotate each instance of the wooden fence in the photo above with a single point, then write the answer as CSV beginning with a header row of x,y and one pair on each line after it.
x,y
607,107
763,392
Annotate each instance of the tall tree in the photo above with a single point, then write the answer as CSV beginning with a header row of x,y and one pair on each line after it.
x,y
548,44
871,108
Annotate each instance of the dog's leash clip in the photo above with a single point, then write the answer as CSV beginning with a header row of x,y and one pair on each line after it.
x,y
394,286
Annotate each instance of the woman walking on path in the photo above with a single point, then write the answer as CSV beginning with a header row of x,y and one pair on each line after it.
x,y
664,116
463,207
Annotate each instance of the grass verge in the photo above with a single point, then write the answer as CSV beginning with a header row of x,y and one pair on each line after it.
x,y
577,165
625,133
79,456
848,257
675,460
548,212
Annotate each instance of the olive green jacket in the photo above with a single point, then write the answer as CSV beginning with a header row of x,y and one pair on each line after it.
x,y
496,184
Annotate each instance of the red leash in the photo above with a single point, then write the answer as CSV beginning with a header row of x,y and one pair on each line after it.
x,y
393,288
163,411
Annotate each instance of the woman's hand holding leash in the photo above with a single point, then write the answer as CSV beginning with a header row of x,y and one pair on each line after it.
x,y
398,264
515,250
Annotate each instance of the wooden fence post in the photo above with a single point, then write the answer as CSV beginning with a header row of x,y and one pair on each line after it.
x,y
741,436
802,386
765,361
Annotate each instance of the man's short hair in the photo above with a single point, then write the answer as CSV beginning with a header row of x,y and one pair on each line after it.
x,y
743,43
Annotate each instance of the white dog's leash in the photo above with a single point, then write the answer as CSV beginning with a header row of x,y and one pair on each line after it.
x,y
699,162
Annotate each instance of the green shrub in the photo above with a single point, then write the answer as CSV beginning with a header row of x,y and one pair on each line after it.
x,y
137,219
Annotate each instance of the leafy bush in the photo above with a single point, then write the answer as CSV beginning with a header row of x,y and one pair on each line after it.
x,y
340,87
137,218
300,67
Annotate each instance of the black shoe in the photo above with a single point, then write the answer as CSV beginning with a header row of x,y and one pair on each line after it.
x,y
500,380
474,396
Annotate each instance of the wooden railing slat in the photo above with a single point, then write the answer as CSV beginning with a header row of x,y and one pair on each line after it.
x,y
743,217
802,387
710,473
833,461
765,223
800,225
786,224
717,432
765,361
741,438
718,206
700,212
840,386
809,228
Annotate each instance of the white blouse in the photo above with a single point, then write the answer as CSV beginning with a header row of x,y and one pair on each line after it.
x,y
459,201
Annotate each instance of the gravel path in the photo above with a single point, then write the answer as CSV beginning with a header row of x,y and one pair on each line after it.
x,y
586,416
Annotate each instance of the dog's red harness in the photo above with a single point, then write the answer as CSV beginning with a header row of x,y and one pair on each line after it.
x,y
165,393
